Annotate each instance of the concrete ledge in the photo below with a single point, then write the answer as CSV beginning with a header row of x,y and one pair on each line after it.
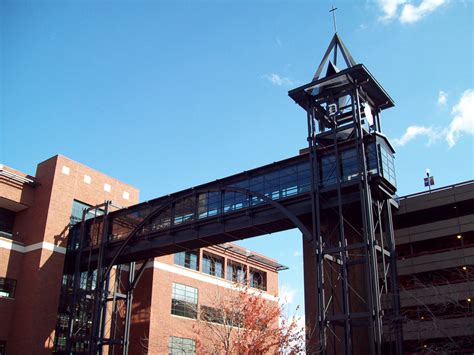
x,y
436,261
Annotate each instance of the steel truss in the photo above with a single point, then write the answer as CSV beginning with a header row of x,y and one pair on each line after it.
x,y
96,305
353,245
97,295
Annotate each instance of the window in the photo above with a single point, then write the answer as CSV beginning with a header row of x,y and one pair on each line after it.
x,y
328,170
88,280
213,265
350,164
187,259
184,301
388,165
78,207
181,346
236,272
7,219
63,321
7,287
211,314
258,279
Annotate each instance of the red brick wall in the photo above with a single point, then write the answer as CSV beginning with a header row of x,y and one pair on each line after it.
x,y
39,272
10,267
162,323
32,314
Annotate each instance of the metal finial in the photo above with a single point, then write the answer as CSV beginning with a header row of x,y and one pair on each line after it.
x,y
333,10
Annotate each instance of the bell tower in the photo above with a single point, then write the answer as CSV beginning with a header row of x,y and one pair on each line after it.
x,y
352,302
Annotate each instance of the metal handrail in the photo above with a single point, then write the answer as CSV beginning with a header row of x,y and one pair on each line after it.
x,y
463,183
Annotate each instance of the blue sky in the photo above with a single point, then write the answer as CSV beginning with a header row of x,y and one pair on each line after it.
x,y
170,94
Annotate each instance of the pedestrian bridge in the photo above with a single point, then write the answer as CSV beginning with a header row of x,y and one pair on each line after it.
x,y
240,206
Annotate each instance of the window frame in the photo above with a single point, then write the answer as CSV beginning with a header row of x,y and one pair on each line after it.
x,y
253,284
184,259
233,271
176,346
211,268
184,300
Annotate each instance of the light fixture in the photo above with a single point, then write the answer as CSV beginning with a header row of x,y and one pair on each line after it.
x,y
464,268
425,346
469,300
459,236
422,317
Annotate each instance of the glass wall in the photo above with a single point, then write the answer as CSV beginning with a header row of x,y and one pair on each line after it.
x,y
387,162
277,184
77,209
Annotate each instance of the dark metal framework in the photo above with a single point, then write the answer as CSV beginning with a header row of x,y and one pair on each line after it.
x,y
353,245
339,194
98,292
96,302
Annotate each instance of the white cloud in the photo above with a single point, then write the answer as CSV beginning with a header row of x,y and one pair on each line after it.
x,y
297,253
461,123
412,13
278,80
405,11
414,131
442,98
389,8
287,294
463,120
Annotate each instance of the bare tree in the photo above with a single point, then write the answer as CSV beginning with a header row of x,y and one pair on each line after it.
x,y
436,305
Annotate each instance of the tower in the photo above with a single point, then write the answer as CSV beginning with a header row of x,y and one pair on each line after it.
x,y
350,264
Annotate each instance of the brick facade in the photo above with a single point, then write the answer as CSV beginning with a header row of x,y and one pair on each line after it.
x,y
35,213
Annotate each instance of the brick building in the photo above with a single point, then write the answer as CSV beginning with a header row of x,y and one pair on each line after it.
x,y
434,234
35,212
192,281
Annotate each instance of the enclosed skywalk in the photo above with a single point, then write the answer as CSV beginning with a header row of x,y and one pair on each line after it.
x,y
232,208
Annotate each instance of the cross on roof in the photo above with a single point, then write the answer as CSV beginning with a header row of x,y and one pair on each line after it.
x,y
333,10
